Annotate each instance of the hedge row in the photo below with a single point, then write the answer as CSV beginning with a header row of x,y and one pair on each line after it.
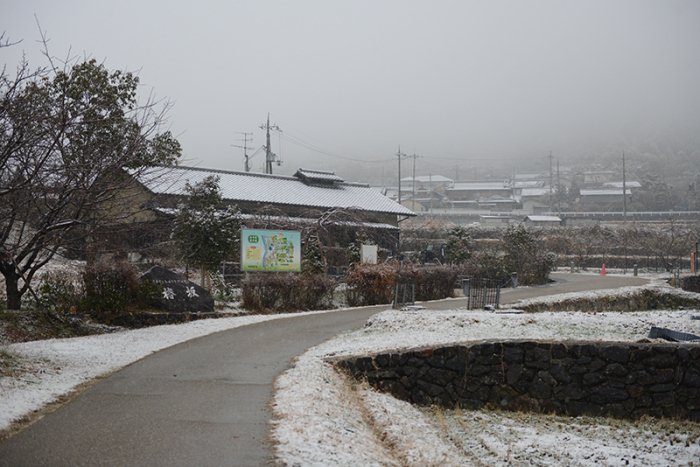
x,y
374,284
266,292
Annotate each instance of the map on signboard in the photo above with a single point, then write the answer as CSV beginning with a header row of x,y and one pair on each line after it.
x,y
278,251
270,250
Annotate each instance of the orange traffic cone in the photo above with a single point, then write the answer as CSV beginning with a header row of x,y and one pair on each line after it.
x,y
602,271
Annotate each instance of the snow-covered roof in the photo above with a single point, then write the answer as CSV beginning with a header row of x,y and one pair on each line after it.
x,y
273,189
427,179
630,184
605,192
531,176
544,218
317,175
528,184
478,186
534,192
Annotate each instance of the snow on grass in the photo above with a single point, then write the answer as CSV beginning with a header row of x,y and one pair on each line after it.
x,y
425,437
620,293
514,439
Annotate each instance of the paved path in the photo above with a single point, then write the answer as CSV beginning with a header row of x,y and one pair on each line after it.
x,y
202,402
564,283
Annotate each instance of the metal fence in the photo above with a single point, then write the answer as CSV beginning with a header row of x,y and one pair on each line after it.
x,y
481,292
404,293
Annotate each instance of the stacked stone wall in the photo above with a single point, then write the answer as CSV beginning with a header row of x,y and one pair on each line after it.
x,y
623,380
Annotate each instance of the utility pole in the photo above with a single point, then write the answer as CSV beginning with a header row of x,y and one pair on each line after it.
x,y
624,191
269,155
413,200
551,181
558,189
245,148
400,156
430,193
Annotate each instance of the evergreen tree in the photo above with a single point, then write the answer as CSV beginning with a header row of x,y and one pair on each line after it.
x,y
459,245
312,260
205,233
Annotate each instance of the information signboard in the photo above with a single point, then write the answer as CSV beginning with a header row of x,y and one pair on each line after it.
x,y
270,250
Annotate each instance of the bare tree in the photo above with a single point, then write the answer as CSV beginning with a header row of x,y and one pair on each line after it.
x,y
69,139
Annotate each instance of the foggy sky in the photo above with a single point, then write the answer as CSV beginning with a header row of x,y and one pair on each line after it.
x,y
457,82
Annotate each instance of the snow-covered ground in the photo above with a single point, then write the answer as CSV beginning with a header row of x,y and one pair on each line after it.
x,y
322,418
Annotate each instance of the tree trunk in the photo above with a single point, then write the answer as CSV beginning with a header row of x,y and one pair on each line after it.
x,y
14,297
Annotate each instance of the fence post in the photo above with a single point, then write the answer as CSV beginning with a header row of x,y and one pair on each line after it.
x,y
469,303
635,269
498,296
514,279
396,298
483,304
413,294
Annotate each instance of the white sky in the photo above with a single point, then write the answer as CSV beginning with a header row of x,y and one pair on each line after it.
x,y
456,82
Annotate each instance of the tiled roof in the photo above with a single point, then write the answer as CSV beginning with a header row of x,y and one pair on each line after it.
x,y
272,189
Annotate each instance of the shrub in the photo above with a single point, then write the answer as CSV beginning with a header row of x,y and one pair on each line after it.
x,y
370,284
691,283
488,263
114,288
287,292
527,256
436,282
58,292
459,245
312,259
223,291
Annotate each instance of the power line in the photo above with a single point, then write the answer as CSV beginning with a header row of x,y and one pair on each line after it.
x,y
291,138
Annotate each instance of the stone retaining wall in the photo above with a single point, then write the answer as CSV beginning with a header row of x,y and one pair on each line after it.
x,y
623,380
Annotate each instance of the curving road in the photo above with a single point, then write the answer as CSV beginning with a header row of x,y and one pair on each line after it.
x,y
204,402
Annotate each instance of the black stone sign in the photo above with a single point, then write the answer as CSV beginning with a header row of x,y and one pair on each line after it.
x,y
179,295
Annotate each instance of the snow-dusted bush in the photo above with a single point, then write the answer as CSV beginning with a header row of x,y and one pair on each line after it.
x,y
370,284
266,292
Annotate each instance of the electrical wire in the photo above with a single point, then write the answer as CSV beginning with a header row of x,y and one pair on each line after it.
x,y
291,138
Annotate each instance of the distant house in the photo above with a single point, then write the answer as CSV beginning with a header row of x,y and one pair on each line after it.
x,y
425,182
598,177
542,221
632,185
478,190
603,195
535,207
532,193
487,219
